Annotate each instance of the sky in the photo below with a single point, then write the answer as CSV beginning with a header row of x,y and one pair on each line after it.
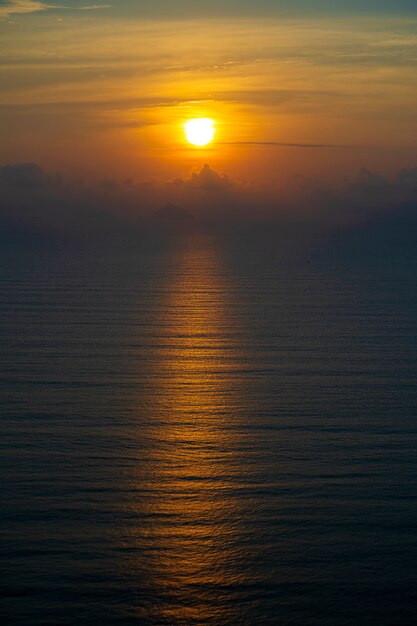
x,y
315,96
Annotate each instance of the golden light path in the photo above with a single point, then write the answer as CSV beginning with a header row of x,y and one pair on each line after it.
x,y
200,131
190,550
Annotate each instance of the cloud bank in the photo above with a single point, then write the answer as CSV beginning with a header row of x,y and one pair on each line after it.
x,y
38,202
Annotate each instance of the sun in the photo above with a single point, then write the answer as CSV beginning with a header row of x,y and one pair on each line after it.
x,y
200,132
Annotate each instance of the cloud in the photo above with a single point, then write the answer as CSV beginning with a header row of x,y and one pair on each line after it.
x,y
366,198
22,175
20,7
408,177
371,186
291,145
206,179
35,201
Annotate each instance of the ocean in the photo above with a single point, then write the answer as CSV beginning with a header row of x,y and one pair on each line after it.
x,y
209,426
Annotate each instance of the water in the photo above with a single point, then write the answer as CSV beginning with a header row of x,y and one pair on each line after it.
x,y
209,427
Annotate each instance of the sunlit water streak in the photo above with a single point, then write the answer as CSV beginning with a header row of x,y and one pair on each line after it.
x,y
208,428
195,465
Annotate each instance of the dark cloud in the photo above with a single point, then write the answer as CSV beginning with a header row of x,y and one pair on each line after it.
x,y
117,185
408,177
39,202
369,182
377,192
367,197
23,175
206,179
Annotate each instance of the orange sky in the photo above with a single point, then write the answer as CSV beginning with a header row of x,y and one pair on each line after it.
x,y
94,95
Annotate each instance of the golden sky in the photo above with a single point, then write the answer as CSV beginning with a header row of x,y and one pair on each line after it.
x,y
101,91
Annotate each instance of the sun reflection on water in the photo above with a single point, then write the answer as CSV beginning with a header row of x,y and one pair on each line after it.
x,y
191,540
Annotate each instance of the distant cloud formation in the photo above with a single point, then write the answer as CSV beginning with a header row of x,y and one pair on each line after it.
x,y
367,197
35,201
206,179
378,192
23,175
20,7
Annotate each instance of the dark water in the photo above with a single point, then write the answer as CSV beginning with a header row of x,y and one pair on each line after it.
x,y
209,428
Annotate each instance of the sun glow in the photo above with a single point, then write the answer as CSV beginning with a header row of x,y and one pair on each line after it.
x,y
200,132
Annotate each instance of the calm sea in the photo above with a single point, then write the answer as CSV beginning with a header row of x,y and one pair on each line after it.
x,y
210,427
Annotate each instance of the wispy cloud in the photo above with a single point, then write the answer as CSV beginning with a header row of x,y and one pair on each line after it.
x,y
20,7
291,145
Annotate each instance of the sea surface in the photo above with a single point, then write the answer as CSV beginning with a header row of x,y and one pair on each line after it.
x,y
206,426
